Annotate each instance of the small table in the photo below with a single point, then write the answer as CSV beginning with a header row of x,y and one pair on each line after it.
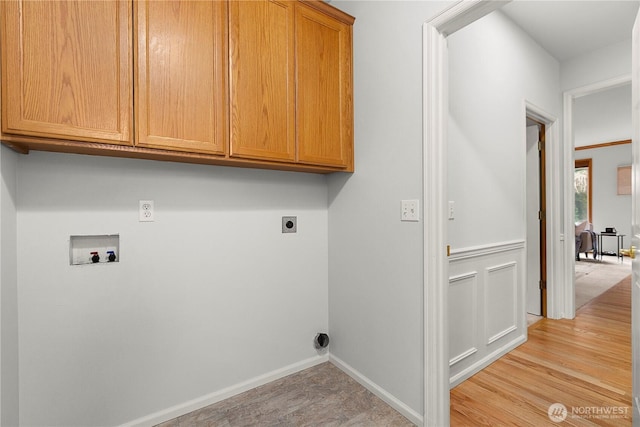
x,y
620,242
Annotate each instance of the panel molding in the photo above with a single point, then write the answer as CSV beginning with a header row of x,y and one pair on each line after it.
x,y
461,277
458,281
497,305
504,266
513,266
462,356
501,334
486,361
483,250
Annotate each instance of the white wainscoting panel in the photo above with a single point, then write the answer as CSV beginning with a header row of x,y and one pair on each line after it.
x,y
500,300
487,315
462,316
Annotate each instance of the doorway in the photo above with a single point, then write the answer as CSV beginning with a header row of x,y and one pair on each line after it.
x,y
536,219
436,270
569,98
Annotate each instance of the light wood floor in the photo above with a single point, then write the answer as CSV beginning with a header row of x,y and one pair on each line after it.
x,y
583,364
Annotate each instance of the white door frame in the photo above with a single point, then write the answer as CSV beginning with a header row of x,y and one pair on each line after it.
x,y
567,297
635,220
555,250
435,104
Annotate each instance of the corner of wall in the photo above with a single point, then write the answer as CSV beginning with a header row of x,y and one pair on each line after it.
x,y
9,400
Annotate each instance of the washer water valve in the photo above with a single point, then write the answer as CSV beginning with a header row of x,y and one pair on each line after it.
x,y
111,256
95,257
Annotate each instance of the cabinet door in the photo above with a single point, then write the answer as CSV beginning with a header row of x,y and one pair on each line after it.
x,y
181,95
66,69
324,106
261,42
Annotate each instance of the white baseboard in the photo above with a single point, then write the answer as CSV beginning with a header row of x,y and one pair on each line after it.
x,y
387,397
486,361
201,402
209,399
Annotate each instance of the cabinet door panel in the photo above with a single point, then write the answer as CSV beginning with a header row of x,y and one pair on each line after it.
x,y
323,77
261,39
66,69
181,94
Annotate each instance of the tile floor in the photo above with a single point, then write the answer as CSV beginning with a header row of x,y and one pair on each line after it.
x,y
319,396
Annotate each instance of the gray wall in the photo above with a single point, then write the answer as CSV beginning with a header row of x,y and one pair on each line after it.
x,y
597,66
609,208
9,384
493,68
603,117
376,261
208,296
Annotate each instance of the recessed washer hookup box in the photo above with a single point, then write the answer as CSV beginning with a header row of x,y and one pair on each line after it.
x,y
95,249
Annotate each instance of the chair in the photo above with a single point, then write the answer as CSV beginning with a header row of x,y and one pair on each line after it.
x,y
585,240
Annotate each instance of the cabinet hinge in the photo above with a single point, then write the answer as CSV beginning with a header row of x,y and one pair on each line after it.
x,y
541,215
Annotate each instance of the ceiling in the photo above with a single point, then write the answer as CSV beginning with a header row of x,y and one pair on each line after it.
x,y
570,28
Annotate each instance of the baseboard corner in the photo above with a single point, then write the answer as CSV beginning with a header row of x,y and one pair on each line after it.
x,y
387,397
225,393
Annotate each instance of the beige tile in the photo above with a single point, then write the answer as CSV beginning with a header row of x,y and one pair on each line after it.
x,y
319,396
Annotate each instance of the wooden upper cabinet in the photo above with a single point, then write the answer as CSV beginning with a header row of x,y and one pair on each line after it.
x,y
66,69
324,105
261,55
291,82
250,83
181,86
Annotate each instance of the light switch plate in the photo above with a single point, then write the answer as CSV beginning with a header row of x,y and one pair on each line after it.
x,y
410,210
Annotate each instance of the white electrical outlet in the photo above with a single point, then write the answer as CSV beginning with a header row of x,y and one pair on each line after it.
x,y
410,210
452,210
145,211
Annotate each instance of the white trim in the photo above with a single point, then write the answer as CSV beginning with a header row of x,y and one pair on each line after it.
x,y
461,277
566,296
462,14
463,355
482,250
435,274
486,361
209,399
436,339
590,89
510,264
555,217
499,335
387,397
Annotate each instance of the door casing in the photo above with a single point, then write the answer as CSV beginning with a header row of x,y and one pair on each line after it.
x,y
567,295
435,277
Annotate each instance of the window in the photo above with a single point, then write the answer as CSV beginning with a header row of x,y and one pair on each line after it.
x,y
582,185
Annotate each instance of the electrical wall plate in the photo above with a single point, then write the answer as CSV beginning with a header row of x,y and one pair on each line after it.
x,y
410,210
289,224
146,211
